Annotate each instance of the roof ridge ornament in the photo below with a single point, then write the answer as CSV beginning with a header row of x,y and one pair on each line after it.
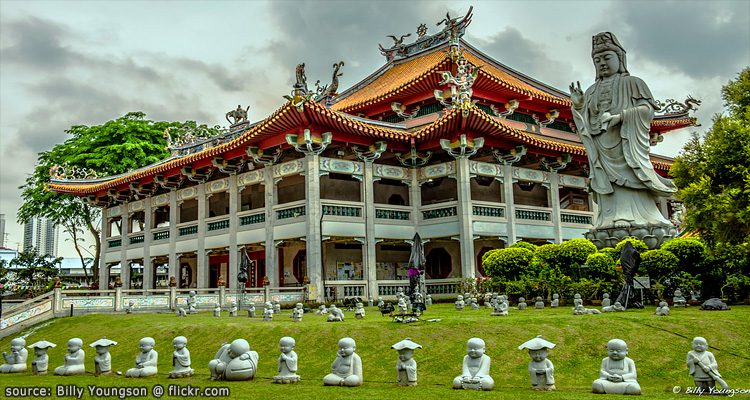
x,y
550,116
454,28
463,147
414,158
66,171
460,84
511,156
371,153
400,110
510,108
309,144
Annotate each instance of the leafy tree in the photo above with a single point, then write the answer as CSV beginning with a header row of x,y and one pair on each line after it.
x,y
34,271
713,173
115,147
508,264
659,264
690,253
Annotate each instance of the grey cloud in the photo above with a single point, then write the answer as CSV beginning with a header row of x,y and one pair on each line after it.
x,y
36,43
689,36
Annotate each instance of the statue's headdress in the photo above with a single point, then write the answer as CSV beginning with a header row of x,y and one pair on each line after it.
x,y
608,41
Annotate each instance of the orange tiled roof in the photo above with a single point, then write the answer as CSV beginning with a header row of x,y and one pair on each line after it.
x,y
393,81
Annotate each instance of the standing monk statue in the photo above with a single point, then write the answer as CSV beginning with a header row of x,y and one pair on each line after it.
x,y
613,118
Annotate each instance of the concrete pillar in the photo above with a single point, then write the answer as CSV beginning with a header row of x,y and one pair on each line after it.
x,y
465,217
554,199
202,262
124,264
272,265
510,208
104,247
313,214
369,251
234,223
415,197
148,267
174,261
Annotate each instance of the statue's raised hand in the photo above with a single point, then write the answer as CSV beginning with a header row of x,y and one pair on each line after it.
x,y
576,94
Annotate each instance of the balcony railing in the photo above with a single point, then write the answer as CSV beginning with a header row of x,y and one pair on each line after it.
x,y
188,230
137,239
161,235
114,243
570,218
486,211
217,225
400,215
533,215
440,212
253,219
342,211
292,212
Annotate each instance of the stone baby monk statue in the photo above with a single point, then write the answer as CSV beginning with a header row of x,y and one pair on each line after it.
x,y
347,367
41,359
16,360
617,374
146,362
102,359
613,118
406,367
73,360
234,362
475,371
180,359
703,367
287,362
541,370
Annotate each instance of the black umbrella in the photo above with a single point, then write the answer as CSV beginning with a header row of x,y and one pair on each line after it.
x,y
416,258
417,263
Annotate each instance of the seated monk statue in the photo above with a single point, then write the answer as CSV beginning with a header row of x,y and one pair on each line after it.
x,y
475,372
617,374
335,314
16,360
74,360
146,362
234,362
347,367
180,359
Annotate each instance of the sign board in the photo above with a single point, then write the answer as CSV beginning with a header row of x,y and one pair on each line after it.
x,y
642,282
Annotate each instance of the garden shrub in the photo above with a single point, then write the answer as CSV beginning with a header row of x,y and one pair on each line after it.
x,y
690,253
578,250
508,264
524,245
637,243
658,264
602,266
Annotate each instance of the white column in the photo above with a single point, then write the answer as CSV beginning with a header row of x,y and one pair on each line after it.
x,y
148,268
510,207
554,198
415,197
124,264
272,265
103,249
234,223
174,261
201,248
370,240
465,217
313,214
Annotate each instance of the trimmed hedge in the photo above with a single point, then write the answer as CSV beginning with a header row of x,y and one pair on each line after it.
x,y
659,264
509,264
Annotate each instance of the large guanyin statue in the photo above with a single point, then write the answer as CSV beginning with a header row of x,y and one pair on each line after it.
x,y
613,118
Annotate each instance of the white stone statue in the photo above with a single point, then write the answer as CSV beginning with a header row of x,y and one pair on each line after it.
x,y
460,303
500,310
521,304
581,310
539,304
381,303
276,307
180,312
555,301
474,303
703,368
359,312
234,362
617,374
606,302
346,369
192,302
428,300
102,359
232,308
298,312
180,359
146,363
41,360
335,314
74,360
16,360
129,308
541,370
323,311
663,309
268,312
370,302
577,300
475,371
613,118
406,367
217,310
678,300
287,362
617,307
402,307
251,311
487,300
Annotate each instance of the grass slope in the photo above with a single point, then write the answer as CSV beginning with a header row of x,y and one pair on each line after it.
x,y
658,345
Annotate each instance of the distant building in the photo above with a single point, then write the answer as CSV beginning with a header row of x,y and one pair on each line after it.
x,y
2,230
8,254
41,235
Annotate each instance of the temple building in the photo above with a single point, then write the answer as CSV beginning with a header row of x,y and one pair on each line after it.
x,y
330,189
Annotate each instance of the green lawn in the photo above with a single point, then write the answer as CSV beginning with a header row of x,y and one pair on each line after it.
x,y
658,345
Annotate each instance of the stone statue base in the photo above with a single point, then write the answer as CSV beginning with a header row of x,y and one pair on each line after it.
x,y
286,379
653,235
181,374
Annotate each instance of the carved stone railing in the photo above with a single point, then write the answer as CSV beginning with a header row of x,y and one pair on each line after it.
x,y
442,286
390,287
217,225
393,213
534,214
342,210
161,235
580,217
114,243
339,290
137,239
257,217
294,210
442,212
486,210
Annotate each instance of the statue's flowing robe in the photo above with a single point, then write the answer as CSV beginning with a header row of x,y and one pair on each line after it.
x,y
622,177
548,378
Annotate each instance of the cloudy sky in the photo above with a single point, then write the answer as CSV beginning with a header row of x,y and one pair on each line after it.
x,y
65,63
